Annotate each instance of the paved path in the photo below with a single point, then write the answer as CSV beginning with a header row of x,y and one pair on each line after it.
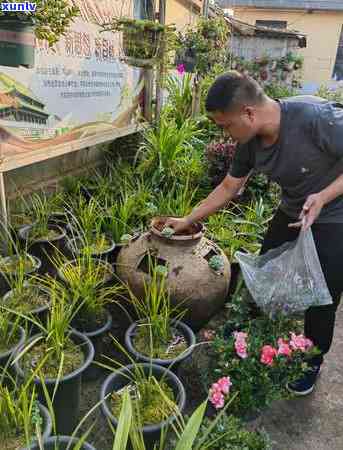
x,y
314,422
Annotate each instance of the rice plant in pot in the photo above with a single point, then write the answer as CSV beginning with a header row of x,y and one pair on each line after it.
x,y
93,318
43,238
118,223
62,443
22,418
159,336
12,335
141,39
17,266
27,296
88,235
83,266
158,398
56,358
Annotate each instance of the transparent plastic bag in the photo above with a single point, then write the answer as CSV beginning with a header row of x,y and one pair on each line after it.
x,y
286,279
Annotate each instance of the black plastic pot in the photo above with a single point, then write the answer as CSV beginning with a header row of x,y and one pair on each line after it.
x,y
172,364
97,339
119,379
60,443
44,249
74,250
5,279
107,281
66,403
37,313
61,219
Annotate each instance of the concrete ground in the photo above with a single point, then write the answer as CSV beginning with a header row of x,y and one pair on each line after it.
x,y
316,421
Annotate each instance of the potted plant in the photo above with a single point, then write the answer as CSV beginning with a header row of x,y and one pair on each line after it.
x,y
157,394
27,296
141,39
158,336
16,266
203,46
92,319
43,238
22,418
56,359
88,236
259,360
83,266
19,29
117,223
62,443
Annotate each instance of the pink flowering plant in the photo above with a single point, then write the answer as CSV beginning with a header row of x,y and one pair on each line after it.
x,y
256,363
219,156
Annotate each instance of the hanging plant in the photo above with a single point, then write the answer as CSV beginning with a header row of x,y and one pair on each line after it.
x,y
49,21
141,39
202,47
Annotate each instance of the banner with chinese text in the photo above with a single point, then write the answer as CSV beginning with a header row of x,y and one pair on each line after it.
x,y
79,88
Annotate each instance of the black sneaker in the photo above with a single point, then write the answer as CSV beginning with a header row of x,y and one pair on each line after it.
x,y
304,385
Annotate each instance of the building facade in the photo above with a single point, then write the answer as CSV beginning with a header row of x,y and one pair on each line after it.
x,y
320,20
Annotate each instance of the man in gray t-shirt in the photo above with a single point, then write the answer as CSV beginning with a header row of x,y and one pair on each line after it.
x,y
298,143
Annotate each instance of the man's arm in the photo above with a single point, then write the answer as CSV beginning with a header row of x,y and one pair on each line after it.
x,y
220,197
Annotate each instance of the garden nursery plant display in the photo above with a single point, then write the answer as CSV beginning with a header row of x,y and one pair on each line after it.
x,y
161,379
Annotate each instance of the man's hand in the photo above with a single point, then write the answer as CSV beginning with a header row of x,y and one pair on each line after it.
x,y
311,210
177,224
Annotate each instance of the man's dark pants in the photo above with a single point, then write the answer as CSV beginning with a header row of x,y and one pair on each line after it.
x,y
328,237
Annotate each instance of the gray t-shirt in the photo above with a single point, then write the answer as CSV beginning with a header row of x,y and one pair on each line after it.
x,y
306,158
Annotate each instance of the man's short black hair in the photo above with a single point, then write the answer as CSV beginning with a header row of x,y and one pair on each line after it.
x,y
233,89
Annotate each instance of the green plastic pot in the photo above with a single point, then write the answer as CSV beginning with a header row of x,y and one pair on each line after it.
x,y
17,42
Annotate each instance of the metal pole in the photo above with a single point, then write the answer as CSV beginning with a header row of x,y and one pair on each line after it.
x,y
160,75
4,215
205,8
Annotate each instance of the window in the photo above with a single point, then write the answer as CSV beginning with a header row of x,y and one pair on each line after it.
x,y
143,9
278,24
338,69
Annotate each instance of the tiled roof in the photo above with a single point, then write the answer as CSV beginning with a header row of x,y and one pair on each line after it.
x,y
324,5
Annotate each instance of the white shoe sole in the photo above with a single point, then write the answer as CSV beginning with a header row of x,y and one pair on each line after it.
x,y
298,393
303,393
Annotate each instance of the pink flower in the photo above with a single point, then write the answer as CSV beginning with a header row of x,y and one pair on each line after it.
x,y
217,399
300,342
267,355
218,390
240,344
181,69
224,384
284,348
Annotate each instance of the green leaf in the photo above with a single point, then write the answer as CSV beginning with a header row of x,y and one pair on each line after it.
x,y
124,423
190,432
